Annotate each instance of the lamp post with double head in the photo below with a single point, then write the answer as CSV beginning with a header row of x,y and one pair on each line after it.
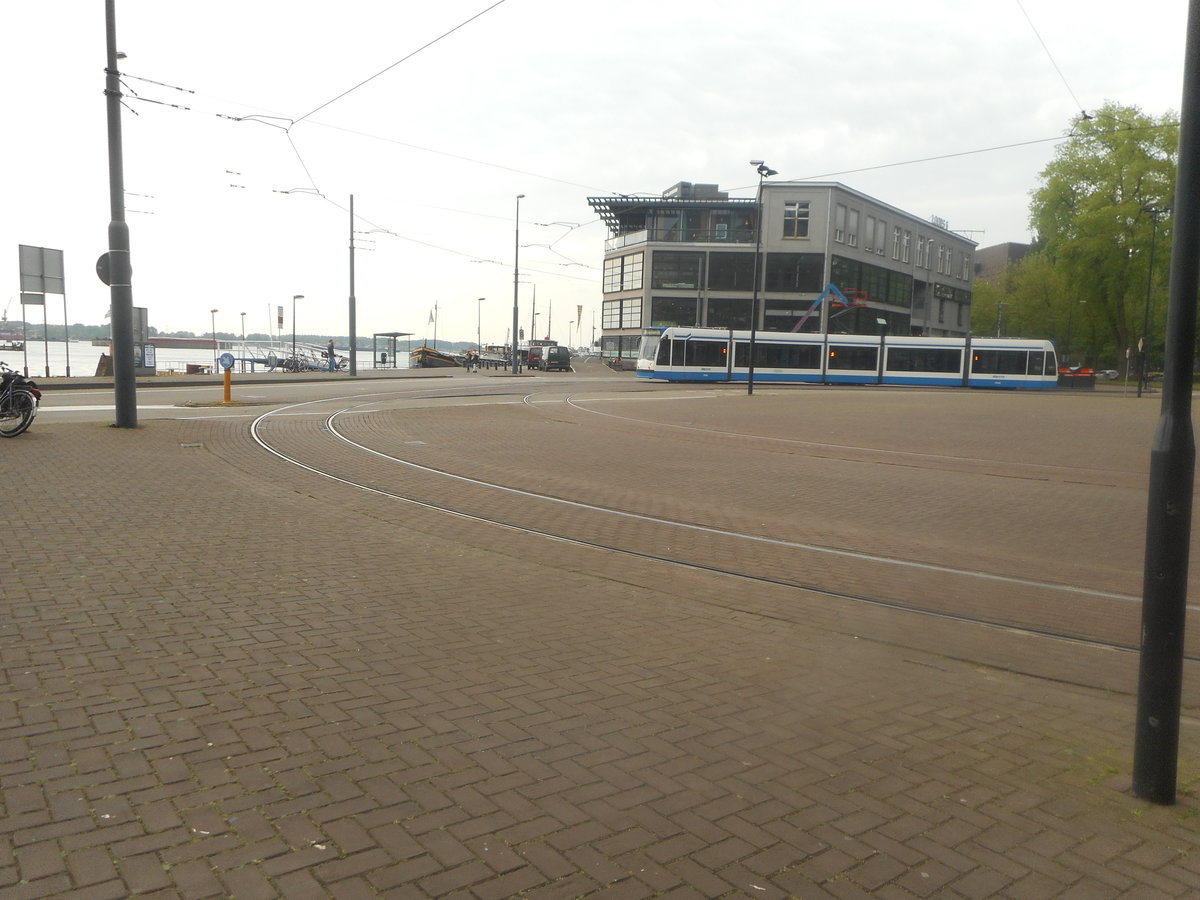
x,y
764,171
1144,344
516,358
478,325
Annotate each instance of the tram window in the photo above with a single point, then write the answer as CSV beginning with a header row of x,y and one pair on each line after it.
x,y
779,356
1036,362
705,353
664,353
924,359
999,362
842,356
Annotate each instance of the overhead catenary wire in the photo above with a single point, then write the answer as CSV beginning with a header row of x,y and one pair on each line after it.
x,y
1050,56
403,59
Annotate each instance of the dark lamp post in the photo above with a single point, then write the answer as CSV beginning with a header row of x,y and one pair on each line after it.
x,y
295,297
516,357
478,325
1144,344
764,171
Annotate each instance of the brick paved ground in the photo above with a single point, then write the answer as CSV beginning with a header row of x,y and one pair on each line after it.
x,y
226,677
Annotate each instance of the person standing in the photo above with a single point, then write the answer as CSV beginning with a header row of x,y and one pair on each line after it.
x,y
332,356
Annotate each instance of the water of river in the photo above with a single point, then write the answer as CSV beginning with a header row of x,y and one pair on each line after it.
x,y
51,359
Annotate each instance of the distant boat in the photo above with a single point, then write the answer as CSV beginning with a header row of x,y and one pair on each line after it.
x,y
14,342
428,358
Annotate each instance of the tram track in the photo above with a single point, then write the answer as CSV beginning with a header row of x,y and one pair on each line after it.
x,y
709,547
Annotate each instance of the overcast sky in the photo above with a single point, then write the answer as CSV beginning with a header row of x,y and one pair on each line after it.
x,y
558,100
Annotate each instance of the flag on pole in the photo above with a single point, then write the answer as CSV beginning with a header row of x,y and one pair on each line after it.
x,y
431,317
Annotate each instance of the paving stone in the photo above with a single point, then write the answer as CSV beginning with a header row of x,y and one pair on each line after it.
x,y
217,697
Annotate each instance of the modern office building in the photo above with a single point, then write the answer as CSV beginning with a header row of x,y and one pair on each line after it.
x,y
990,262
689,258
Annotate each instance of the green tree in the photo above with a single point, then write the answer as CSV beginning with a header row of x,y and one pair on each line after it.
x,y
1023,301
1100,204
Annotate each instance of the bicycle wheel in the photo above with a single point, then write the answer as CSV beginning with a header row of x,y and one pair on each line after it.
x,y
17,413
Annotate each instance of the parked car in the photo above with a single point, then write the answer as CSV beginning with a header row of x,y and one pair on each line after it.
x,y
535,357
556,358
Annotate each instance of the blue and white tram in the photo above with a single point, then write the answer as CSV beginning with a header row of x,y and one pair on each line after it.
x,y
714,354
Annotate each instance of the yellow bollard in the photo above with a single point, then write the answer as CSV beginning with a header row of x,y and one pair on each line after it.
x,y
228,382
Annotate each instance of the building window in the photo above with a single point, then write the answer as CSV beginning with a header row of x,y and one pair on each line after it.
x,y
941,266
880,237
667,311
631,312
852,229
728,313
906,247
730,271
795,272
621,313
795,219
623,273
839,223
896,242
610,317
671,269
869,235
965,272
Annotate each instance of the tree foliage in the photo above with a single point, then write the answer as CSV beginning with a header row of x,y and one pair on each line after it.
x,y
1103,201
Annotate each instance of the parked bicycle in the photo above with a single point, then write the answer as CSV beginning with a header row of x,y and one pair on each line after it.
x,y
19,398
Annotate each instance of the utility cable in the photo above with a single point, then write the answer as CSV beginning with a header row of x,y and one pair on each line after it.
x,y
403,59
1050,56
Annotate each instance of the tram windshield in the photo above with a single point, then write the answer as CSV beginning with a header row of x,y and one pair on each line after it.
x,y
649,347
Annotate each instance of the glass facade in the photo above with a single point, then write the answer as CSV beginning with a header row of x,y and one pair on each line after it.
x,y
621,313
731,271
882,285
728,313
677,269
666,311
623,273
795,272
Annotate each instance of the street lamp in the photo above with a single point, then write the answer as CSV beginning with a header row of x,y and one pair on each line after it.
x,y
764,171
214,333
478,325
516,358
1143,344
243,343
295,297
883,329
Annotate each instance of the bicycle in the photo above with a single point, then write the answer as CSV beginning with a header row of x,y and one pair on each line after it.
x,y
19,398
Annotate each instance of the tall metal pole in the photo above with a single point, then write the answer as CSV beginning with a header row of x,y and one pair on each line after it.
x,y
516,358
1172,468
119,269
763,172
478,325
295,297
353,335
1144,347
66,330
